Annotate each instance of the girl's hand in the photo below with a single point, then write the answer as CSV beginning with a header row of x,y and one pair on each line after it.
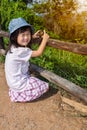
x,y
45,36
41,47
36,35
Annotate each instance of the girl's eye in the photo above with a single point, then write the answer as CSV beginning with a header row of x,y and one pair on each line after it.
x,y
23,35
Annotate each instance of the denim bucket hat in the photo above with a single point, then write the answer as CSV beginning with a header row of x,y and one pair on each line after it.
x,y
17,23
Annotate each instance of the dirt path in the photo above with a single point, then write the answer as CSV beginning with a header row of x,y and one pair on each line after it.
x,y
43,114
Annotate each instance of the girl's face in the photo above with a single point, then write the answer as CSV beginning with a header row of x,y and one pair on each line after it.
x,y
24,38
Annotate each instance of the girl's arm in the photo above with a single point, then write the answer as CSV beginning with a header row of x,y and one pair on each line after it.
x,y
41,48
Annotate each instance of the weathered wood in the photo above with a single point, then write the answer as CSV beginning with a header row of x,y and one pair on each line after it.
x,y
61,82
67,46
2,52
78,106
71,47
4,34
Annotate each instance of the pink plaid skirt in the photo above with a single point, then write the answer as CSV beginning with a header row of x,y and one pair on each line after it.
x,y
36,88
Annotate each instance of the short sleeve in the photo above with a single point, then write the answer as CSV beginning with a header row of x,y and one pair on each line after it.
x,y
22,53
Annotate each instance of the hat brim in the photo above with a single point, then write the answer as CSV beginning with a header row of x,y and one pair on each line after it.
x,y
23,25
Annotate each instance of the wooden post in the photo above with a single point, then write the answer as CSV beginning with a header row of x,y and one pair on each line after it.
x,y
2,52
61,82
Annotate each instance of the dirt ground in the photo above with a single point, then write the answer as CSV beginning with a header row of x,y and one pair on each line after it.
x,y
46,113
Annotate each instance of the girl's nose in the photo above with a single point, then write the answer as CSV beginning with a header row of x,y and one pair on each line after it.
x,y
26,37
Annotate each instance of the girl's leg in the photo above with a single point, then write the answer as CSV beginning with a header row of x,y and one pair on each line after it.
x,y
35,89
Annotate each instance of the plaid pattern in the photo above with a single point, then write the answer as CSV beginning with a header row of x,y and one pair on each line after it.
x,y
36,88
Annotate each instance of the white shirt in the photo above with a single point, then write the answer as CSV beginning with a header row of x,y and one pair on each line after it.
x,y
17,68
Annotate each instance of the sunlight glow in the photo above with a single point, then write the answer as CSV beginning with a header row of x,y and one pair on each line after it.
x,y
82,2
82,5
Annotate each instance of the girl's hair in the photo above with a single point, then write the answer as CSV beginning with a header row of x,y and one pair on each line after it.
x,y
14,35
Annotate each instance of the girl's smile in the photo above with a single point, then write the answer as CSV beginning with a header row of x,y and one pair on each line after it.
x,y
24,38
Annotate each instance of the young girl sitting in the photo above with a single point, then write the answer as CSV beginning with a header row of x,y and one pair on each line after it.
x,y
22,86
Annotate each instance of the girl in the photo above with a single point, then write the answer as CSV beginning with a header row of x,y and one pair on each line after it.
x,y
23,87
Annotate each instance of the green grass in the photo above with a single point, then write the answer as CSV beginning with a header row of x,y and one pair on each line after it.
x,y
2,59
67,65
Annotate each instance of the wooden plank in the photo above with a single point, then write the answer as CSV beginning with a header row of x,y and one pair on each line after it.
x,y
4,34
61,82
67,46
78,106
2,52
